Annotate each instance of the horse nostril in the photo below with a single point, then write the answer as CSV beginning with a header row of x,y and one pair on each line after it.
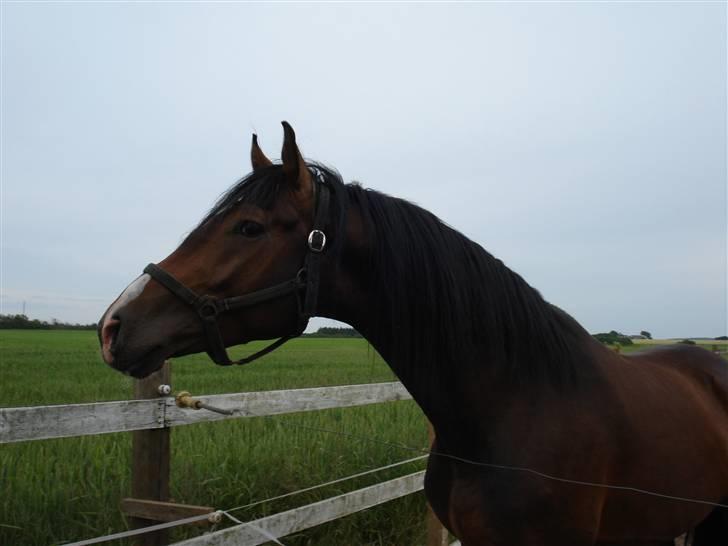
x,y
109,333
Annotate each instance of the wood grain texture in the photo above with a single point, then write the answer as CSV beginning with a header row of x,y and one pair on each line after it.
x,y
150,459
62,421
257,404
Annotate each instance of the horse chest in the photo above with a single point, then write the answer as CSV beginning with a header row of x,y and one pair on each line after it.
x,y
488,507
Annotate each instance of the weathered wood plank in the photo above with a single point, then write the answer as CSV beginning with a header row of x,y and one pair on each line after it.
x,y
43,422
256,404
305,517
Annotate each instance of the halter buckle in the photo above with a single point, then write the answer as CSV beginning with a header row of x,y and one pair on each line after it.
x,y
206,308
316,240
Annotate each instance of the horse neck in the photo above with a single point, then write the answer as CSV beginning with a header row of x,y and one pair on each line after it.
x,y
447,375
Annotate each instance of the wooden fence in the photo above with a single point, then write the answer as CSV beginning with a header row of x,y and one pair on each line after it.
x,y
150,418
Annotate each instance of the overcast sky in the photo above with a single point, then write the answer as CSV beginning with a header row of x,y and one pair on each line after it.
x,y
583,144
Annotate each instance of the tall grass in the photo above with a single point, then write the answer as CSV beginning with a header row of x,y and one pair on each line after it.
x,y
56,491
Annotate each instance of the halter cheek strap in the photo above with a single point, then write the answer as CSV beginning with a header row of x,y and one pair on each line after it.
x,y
305,286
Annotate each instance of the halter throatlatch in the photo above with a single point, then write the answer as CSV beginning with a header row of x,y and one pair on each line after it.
x,y
305,287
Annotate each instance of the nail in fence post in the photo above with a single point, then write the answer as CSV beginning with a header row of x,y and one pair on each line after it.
x,y
150,458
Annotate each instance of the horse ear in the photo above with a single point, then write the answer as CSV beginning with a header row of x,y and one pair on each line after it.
x,y
294,166
257,157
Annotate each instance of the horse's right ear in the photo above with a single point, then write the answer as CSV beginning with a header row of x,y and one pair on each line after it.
x,y
257,157
294,166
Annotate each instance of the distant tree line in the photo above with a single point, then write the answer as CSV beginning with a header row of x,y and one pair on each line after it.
x,y
329,331
613,338
617,338
22,322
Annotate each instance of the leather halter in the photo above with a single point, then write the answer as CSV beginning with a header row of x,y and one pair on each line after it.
x,y
305,286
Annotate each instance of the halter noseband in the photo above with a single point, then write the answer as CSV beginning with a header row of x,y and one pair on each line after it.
x,y
305,286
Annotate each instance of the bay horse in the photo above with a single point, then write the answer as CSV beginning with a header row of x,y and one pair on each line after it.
x,y
544,436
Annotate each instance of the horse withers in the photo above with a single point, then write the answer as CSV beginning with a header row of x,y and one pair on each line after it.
x,y
544,437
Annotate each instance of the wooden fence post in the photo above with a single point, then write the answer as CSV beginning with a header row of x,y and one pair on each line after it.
x,y
150,458
437,535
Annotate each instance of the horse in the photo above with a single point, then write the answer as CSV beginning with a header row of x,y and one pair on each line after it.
x,y
543,436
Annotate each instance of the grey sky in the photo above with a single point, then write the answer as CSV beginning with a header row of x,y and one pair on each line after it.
x,y
584,144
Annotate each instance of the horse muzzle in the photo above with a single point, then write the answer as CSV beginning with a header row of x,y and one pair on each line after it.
x,y
135,359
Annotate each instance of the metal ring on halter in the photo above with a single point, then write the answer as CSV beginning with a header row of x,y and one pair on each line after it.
x,y
317,240
206,308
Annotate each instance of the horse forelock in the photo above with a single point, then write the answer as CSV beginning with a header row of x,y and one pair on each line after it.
x,y
266,185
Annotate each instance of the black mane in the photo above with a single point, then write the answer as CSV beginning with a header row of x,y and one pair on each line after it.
x,y
443,301
448,302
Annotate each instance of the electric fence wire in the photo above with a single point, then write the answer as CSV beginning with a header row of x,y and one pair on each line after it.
x,y
194,519
522,469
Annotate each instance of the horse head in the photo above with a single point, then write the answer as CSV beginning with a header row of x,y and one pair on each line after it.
x,y
249,270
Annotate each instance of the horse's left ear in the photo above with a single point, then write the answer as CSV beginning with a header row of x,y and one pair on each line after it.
x,y
294,166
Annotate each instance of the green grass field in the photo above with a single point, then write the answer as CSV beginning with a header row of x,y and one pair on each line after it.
x,y
55,491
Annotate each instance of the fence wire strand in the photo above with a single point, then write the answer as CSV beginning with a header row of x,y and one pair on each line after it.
x,y
326,484
194,519
512,468
135,532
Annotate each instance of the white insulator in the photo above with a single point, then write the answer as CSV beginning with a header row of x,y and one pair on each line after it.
x,y
164,390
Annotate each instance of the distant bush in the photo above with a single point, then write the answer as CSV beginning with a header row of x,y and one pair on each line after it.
x,y
722,338
329,331
687,342
613,338
21,322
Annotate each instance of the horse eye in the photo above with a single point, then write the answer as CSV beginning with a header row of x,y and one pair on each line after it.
x,y
248,228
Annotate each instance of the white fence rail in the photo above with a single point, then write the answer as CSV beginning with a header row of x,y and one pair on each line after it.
x,y
305,517
61,421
